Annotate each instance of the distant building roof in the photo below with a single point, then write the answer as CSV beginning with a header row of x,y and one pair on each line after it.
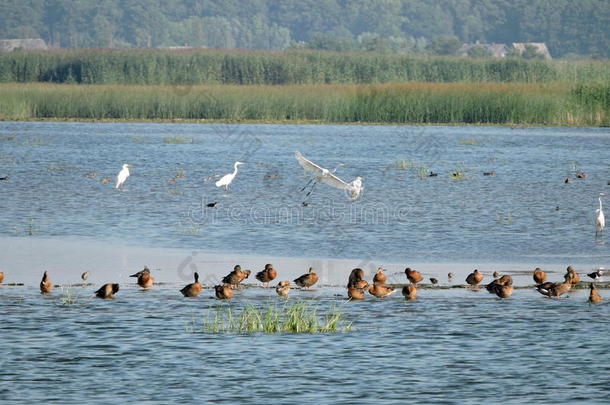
x,y
8,45
495,50
540,48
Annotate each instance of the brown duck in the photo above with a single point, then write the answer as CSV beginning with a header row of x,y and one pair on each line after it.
x,y
192,290
381,290
356,279
236,276
355,293
266,275
223,292
307,280
574,276
107,291
594,297
502,287
144,278
283,288
539,275
555,290
414,276
410,292
1,276
474,278
45,285
380,277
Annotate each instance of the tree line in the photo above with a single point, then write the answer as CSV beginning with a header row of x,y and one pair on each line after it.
x,y
569,28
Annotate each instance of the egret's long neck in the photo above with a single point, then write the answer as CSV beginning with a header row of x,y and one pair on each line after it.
x,y
600,203
235,170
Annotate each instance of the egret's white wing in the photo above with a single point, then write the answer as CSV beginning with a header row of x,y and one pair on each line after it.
x,y
333,181
308,165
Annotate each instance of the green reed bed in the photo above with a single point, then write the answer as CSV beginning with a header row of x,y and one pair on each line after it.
x,y
450,103
165,67
297,317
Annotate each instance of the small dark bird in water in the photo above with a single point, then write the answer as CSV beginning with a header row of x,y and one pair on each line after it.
x,y
84,275
4,178
144,278
568,180
283,288
449,276
305,204
432,174
594,297
596,275
236,276
409,292
581,175
107,291
414,276
433,280
496,274
492,173
105,180
474,278
266,275
91,175
192,290
307,280
539,275
45,284
212,204
223,292
380,277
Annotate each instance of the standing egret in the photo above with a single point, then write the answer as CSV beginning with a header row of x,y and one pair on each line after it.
x,y
600,220
321,174
228,178
121,178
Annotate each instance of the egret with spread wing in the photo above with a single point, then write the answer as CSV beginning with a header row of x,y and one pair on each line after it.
x,y
326,176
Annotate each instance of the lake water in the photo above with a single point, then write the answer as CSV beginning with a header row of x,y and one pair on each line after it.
x,y
449,346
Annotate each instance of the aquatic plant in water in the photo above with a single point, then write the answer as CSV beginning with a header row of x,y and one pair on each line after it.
x,y
298,317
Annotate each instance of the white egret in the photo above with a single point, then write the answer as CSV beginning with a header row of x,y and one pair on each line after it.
x,y
121,178
228,178
323,175
600,220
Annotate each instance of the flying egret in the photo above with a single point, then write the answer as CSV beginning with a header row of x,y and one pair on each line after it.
x,y
600,220
228,178
354,188
121,178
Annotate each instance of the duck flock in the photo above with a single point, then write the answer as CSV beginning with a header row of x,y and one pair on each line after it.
x,y
357,285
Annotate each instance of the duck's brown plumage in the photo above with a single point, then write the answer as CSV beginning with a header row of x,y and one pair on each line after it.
x,y
594,297
283,288
555,290
236,276
574,276
502,287
474,278
267,274
380,277
223,292
45,285
1,276
145,280
356,278
307,280
409,292
381,290
355,293
414,276
539,275
107,291
193,289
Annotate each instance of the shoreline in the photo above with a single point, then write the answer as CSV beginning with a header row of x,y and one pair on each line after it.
x,y
67,258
